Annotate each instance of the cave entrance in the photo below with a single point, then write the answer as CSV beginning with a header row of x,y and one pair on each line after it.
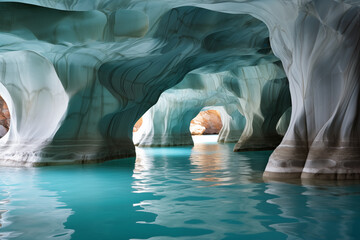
x,y
206,126
207,122
137,125
4,117
157,128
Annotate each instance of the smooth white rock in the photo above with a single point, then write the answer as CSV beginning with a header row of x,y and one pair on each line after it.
x,y
112,82
260,93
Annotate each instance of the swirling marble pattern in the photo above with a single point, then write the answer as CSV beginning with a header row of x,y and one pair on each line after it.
x,y
113,59
251,101
233,123
167,122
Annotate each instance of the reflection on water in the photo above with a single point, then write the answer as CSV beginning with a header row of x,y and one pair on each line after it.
x,y
201,192
209,165
213,164
212,189
23,203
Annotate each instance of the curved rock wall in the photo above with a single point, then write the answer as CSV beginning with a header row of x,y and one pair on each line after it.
x,y
253,100
320,53
112,73
264,96
137,125
37,103
233,123
167,122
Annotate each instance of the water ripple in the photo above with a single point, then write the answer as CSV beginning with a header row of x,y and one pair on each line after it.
x,y
201,192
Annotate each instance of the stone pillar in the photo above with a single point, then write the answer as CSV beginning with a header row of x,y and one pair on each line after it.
x,y
320,52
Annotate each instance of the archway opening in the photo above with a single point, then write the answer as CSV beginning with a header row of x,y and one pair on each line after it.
x,y
4,118
207,122
248,85
206,126
137,125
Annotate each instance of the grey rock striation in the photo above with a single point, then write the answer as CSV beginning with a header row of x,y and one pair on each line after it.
x,y
251,101
89,69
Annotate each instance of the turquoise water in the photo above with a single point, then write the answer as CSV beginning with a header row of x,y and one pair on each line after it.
x,y
201,192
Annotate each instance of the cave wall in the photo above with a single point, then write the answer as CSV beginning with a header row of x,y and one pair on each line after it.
x,y
167,122
110,61
233,124
320,56
253,98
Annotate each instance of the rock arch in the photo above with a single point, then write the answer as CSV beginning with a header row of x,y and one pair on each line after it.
x,y
33,92
251,99
318,44
316,40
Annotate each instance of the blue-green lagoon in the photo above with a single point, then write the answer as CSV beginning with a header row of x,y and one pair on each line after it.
x,y
201,192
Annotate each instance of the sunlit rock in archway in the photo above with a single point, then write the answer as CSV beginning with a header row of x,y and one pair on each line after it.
x,y
4,118
137,125
206,122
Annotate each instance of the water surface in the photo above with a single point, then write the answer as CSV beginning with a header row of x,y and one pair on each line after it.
x,y
201,192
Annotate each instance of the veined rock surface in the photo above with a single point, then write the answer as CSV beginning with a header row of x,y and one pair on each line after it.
x,y
167,122
89,69
250,99
233,123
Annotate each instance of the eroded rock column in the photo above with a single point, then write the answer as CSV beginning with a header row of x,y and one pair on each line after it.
x,y
320,52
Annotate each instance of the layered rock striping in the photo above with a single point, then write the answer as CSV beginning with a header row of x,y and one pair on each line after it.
x,y
250,99
96,67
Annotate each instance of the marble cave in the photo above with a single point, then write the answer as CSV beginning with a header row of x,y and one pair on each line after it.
x,y
110,103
